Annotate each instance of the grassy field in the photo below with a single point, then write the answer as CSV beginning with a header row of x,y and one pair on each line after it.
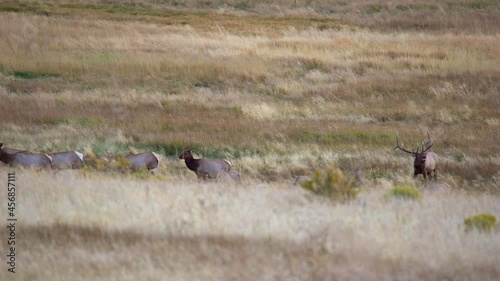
x,y
280,88
101,228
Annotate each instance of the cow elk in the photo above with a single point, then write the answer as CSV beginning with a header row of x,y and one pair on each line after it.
x,y
148,160
207,168
67,160
23,158
425,162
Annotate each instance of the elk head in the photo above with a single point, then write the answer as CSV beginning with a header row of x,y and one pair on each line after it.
x,y
186,154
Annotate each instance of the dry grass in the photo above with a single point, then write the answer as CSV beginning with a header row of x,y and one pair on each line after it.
x,y
462,16
280,88
104,228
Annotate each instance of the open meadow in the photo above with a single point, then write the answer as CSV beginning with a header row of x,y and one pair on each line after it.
x,y
279,88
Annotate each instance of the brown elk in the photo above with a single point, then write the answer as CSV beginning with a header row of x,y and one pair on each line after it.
x,y
60,160
23,158
205,168
425,162
67,160
148,160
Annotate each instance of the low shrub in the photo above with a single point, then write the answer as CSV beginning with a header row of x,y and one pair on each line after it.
x,y
405,192
333,184
103,164
482,222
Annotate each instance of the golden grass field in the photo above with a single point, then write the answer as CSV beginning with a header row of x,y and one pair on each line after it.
x,y
280,88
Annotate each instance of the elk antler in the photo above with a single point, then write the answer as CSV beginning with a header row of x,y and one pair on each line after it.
x,y
428,144
402,148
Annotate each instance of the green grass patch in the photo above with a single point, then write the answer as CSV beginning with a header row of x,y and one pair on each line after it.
x,y
483,4
27,75
334,138
481,222
83,121
32,8
174,149
100,57
325,138
169,150
404,192
373,9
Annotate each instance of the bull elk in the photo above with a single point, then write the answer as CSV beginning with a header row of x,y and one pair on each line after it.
x,y
23,158
205,168
425,162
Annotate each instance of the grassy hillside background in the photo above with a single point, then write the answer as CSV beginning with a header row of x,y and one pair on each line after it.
x,y
279,88
278,94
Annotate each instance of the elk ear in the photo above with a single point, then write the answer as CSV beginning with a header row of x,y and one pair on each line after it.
x,y
1,145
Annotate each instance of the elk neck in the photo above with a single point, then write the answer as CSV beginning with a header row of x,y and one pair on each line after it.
x,y
5,157
192,163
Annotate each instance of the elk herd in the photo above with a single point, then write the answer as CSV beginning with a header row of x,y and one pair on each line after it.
x,y
425,162
203,168
23,158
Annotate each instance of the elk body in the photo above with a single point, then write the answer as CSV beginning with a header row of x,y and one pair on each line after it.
x,y
67,160
206,168
23,158
148,160
425,162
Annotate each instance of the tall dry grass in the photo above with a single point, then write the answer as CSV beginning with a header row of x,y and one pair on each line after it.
x,y
104,228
